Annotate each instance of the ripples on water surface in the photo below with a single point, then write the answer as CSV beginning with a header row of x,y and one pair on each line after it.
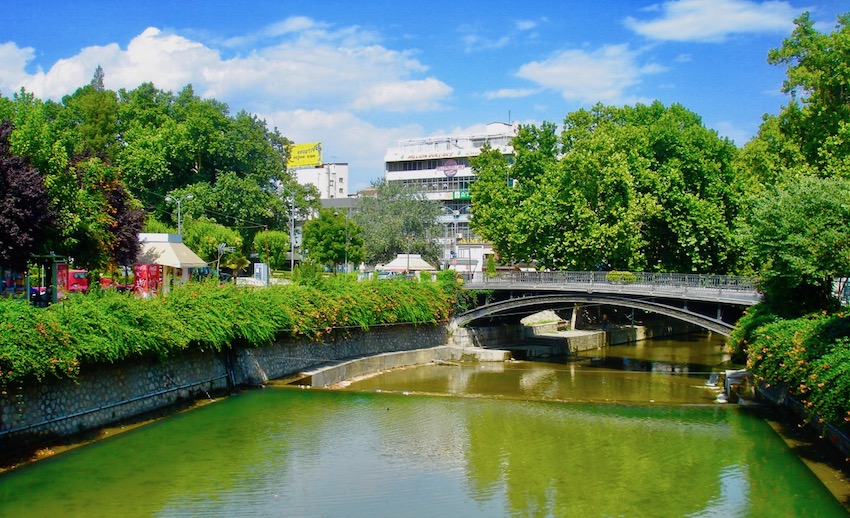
x,y
318,453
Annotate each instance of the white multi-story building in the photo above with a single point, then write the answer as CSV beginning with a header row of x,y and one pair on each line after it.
x,y
439,168
330,179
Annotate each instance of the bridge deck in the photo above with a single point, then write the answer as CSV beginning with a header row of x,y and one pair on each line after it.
x,y
726,289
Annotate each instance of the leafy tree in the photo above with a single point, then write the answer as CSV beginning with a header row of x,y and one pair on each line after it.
x,y
632,188
236,262
770,159
799,234
203,237
89,121
332,238
397,220
26,216
256,151
155,226
240,203
817,118
35,137
101,220
272,247
128,221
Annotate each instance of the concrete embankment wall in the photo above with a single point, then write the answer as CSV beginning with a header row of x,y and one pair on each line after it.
x,y
108,393
324,376
629,334
555,338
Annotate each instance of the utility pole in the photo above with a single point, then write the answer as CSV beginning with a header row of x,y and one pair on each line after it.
x,y
179,202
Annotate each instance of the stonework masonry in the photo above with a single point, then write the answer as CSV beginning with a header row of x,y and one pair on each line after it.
x,y
104,394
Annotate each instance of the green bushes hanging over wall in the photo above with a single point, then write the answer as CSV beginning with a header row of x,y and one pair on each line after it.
x,y
109,327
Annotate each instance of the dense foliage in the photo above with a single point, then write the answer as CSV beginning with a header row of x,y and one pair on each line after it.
x,y
817,118
109,327
397,220
108,157
799,234
810,355
25,211
633,188
332,239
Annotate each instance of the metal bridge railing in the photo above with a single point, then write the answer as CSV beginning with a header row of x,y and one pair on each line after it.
x,y
682,285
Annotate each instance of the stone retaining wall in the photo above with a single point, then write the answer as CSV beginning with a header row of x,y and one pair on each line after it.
x,y
105,394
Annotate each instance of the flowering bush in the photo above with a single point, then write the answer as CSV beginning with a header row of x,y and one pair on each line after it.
x,y
810,354
107,327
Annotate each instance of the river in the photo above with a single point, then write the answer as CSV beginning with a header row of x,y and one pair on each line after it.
x,y
629,431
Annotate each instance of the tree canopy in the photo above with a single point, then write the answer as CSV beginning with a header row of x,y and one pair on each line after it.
x,y
106,158
26,216
333,239
817,118
638,188
397,220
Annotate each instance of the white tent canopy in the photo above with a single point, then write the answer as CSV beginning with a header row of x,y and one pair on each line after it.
x,y
406,262
167,250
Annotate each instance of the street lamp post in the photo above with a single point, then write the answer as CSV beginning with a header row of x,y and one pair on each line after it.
x,y
179,202
291,234
347,235
290,199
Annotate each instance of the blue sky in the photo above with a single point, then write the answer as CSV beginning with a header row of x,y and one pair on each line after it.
x,y
359,76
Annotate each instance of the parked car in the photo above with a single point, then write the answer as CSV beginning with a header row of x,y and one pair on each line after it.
x,y
78,281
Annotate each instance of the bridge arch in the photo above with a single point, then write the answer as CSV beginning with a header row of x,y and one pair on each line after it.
x,y
539,302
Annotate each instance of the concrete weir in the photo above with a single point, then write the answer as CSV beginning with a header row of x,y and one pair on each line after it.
x,y
335,373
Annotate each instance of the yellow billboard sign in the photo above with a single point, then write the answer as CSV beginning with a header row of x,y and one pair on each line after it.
x,y
306,155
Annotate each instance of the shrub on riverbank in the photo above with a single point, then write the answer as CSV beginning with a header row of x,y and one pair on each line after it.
x,y
810,354
109,326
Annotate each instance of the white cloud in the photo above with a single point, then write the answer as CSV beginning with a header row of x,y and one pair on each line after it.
x,y
714,20
302,65
510,93
310,80
399,96
604,75
525,25
13,61
474,43
738,135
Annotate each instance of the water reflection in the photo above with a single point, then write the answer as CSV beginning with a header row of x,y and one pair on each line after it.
x,y
510,447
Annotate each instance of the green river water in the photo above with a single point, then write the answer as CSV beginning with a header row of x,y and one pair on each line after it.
x,y
635,432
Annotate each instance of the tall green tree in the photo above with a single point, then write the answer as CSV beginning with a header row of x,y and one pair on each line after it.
x,y
800,236
397,220
333,239
204,237
637,188
90,122
817,118
101,220
272,247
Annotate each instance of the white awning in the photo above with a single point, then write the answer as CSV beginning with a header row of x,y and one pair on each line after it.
x,y
404,262
167,252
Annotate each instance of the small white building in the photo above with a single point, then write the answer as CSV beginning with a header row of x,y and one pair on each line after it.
x,y
330,179
163,261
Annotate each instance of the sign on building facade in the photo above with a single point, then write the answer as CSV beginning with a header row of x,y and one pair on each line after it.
x,y
305,155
